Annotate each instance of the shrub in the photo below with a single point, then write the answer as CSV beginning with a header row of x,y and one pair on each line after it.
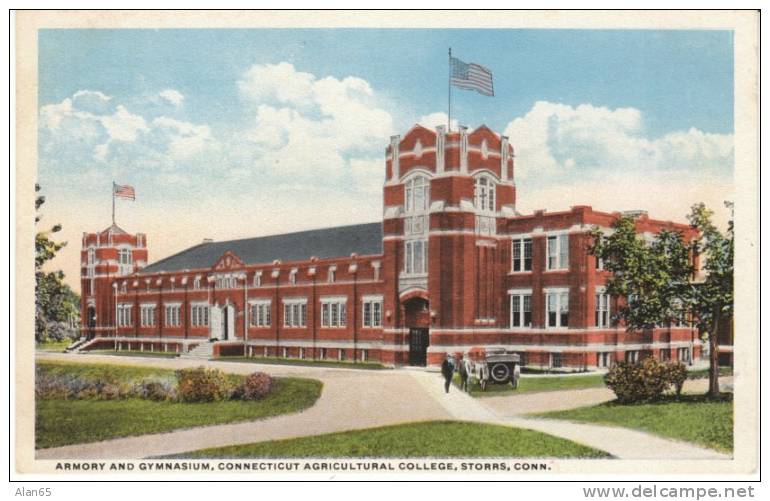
x,y
202,385
255,386
157,390
643,381
677,375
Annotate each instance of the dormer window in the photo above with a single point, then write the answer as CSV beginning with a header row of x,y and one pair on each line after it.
x,y
293,277
258,279
197,283
332,277
484,194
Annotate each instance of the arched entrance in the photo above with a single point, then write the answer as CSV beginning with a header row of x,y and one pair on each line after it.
x,y
417,320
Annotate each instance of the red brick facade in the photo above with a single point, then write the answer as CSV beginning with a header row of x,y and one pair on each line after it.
x,y
459,268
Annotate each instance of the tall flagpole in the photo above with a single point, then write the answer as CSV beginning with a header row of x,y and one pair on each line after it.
x,y
449,95
113,202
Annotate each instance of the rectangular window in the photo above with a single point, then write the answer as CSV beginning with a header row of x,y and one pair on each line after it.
x,y
295,314
260,314
603,359
602,312
364,355
684,355
557,253
341,355
302,353
333,313
521,310
172,315
285,353
556,360
416,257
522,254
199,315
371,316
124,315
632,356
557,309
147,315
323,354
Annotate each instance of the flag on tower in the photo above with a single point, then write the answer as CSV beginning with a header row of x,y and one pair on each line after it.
x,y
124,191
470,76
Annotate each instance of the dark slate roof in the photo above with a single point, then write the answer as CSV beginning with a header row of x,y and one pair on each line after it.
x,y
342,241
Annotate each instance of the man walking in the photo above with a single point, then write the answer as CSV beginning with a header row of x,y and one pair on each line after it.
x,y
447,370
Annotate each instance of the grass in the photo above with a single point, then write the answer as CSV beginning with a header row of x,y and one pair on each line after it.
x,y
427,439
136,353
535,384
691,418
308,363
62,422
57,346
704,373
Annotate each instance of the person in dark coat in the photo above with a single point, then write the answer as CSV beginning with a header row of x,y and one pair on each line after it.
x,y
447,370
463,369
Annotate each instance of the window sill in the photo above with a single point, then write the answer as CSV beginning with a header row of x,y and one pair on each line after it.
x,y
525,272
559,270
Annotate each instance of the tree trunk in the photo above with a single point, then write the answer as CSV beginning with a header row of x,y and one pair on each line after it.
x,y
714,356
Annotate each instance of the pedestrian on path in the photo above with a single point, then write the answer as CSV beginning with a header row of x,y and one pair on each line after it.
x,y
447,370
464,372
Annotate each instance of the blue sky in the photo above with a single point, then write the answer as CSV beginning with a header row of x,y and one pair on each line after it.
x,y
220,130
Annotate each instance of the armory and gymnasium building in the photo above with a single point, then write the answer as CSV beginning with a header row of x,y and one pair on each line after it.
x,y
451,266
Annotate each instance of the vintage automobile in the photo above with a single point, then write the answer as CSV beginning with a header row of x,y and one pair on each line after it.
x,y
495,365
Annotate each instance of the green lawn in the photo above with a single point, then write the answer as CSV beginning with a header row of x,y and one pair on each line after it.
x,y
62,422
704,373
428,439
299,361
53,345
536,384
692,418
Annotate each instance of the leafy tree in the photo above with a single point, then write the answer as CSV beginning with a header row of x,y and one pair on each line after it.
x,y
655,278
55,302
712,300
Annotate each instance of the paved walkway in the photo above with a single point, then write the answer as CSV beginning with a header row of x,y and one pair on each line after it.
x,y
355,399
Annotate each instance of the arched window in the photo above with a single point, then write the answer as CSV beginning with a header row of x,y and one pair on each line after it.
x,y
484,194
417,194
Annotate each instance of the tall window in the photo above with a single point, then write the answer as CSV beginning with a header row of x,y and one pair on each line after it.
x,y
197,283
372,312
332,276
416,257
125,261
417,194
199,315
259,316
124,315
557,257
557,308
521,309
602,315
484,194
147,315
91,256
334,313
522,254
293,277
172,315
295,314
257,279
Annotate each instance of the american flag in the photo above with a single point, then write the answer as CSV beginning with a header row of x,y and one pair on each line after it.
x,y
471,76
124,191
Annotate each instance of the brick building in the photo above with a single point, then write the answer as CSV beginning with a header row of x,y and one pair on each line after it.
x,y
452,265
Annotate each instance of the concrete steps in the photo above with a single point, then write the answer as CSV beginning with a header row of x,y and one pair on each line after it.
x,y
203,351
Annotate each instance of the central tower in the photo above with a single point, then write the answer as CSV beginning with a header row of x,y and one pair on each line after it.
x,y
445,195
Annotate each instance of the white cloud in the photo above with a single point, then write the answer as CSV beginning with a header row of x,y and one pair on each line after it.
x,y
432,120
185,139
310,127
123,125
553,138
173,96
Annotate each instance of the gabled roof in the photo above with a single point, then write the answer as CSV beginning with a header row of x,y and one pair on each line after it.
x,y
342,241
115,229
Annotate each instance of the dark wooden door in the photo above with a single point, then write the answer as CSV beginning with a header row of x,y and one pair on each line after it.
x,y
418,347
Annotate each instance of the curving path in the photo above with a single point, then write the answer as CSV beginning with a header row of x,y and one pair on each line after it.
x,y
355,399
